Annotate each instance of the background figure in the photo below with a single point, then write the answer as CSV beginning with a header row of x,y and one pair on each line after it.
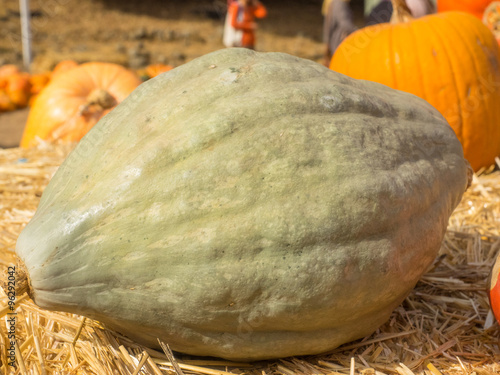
x,y
242,16
231,36
337,26
383,11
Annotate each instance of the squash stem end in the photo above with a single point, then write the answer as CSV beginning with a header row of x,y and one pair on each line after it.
x,y
16,282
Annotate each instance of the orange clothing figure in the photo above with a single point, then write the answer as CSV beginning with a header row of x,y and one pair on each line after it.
x,y
243,14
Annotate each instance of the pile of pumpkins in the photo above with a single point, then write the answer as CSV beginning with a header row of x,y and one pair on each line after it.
x,y
69,100
17,87
436,57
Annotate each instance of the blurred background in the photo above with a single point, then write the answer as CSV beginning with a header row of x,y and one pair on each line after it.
x,y
138,32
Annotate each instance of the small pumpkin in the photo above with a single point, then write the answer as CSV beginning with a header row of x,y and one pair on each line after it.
x,y
75,100
18,87
39,81
474,7
8,70
6,103
494,288
246,205
450,59
15,85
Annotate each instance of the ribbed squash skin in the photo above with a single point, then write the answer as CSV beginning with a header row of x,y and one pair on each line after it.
x,y
248,206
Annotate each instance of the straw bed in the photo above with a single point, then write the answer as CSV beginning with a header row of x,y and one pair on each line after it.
x,y
443,327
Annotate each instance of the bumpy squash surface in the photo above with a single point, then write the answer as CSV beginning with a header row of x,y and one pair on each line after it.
x,y
248,206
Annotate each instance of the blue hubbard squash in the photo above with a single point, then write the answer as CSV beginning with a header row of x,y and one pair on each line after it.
x,y
247,206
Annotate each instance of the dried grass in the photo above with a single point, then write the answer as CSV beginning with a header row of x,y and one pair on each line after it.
x,y
443,327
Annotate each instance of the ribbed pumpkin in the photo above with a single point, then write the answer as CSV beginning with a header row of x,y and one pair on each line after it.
x,y
75,100
450,59
474,7
494,288
247,205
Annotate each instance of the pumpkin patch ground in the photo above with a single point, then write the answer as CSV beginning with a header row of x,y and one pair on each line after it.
x,y
12,126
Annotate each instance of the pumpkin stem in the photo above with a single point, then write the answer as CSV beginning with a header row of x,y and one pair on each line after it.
x,y
18,283
400,12
99,99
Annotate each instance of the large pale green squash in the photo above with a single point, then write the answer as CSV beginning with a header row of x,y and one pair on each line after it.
x,y
248,206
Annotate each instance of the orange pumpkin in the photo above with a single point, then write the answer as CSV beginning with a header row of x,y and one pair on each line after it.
x,y
8,70
39,81
450,59
18,89
15,88
491,18
475,7
154,69
73,102
5,102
